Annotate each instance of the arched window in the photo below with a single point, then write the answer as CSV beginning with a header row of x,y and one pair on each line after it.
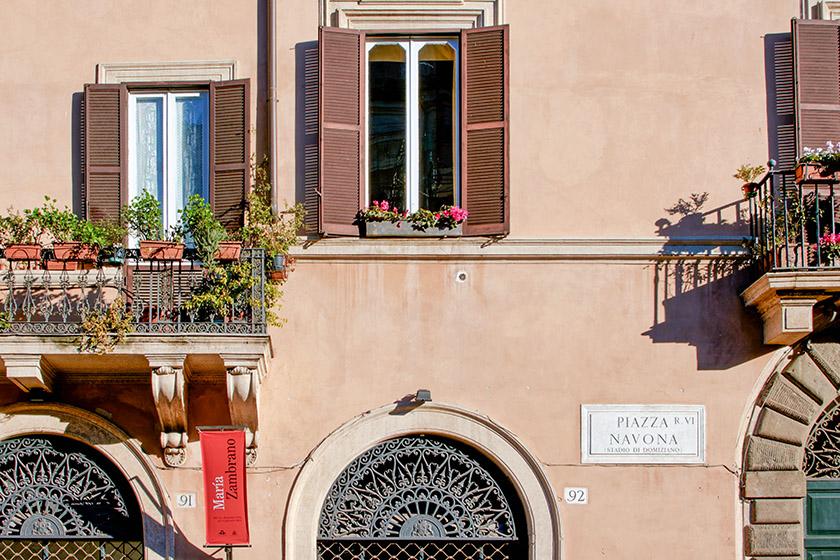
x,y
61,499
421,497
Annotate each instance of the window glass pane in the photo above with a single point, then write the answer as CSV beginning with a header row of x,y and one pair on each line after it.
x,y
190,172
387,124
149,146
437,126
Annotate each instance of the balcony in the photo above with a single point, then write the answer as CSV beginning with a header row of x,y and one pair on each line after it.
x,y
799,278
171,342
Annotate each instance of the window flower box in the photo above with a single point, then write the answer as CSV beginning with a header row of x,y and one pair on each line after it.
x,y
74,251
23,252
161,250
405,228
812,173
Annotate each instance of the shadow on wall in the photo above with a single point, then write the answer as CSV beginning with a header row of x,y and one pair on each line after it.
x,y
696,299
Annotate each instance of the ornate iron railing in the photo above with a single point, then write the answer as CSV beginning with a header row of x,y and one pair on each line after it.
x,y
154,294
788,219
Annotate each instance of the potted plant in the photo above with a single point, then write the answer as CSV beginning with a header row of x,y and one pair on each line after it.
x,y
830,248
144,218
264,230
820,165
748,174
209,236
111,250
383,220
220,288
20,234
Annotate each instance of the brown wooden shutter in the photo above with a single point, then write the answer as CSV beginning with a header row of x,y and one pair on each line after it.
x,y
230,150
341,126
782,114
485,130
105,151
817,71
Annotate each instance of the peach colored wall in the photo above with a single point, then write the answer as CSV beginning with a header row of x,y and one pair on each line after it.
x,y
618,110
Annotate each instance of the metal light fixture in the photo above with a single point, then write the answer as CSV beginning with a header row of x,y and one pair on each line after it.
x,y
423,395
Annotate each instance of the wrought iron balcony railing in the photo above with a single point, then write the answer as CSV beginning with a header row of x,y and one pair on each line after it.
x,y
154,294
788,219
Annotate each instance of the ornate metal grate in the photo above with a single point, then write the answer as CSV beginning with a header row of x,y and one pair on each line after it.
x,y
71,550
398,550
822,452
414,489
48,492
154,292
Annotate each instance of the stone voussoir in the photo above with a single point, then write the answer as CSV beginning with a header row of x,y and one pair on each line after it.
x,y
827,356
769,455
786,398
804,372
775,425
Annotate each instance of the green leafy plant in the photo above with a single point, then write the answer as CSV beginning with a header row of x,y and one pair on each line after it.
x,y
264,230
144,218
220,288
59,223
20,228
748,173
199,223
102,330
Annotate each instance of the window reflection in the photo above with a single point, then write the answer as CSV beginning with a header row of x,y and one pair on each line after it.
x,y
387,124
437,130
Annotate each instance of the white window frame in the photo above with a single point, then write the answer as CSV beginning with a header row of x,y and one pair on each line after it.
x,y
170,197
412,47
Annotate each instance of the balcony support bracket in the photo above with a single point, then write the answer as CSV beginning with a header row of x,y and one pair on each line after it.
x,y
169,389
244,376
29,371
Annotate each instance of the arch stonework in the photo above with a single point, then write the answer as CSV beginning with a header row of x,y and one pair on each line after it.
x,y
792,401
59,419
333,454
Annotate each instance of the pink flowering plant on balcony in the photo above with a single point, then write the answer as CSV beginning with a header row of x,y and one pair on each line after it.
x,y
448,217
830,246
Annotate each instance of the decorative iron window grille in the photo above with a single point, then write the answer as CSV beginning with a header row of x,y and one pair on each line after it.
x,y
822,452
51,489
65,550
418,497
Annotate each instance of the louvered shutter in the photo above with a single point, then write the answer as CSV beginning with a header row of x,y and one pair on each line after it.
x,y
230,150
485,130
340,133
105,151
817,71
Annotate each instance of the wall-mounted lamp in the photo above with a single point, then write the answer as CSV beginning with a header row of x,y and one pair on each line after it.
x,y
423,395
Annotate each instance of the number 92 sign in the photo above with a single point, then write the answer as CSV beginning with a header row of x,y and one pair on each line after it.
x,y
576,495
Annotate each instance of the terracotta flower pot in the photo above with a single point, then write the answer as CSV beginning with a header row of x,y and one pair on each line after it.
x,y
277,269
161,250
23,252
74,251
228,251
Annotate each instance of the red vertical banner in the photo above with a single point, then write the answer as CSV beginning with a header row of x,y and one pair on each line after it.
x,y
225,499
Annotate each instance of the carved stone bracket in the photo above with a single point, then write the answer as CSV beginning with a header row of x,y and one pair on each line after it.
x,y
29,371
169,389
244,376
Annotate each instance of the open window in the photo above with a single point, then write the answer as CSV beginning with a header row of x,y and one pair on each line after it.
x,y
174,140
420,120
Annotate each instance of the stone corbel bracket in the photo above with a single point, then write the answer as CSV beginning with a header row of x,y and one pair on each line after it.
x,y
788,303
169,389
244,376
29,371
